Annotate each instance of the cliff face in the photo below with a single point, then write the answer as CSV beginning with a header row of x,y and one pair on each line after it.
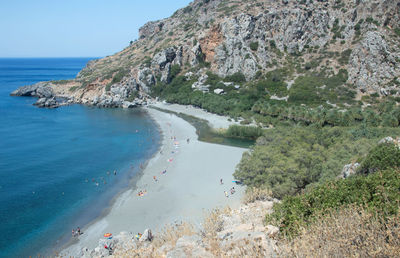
x,y
252,37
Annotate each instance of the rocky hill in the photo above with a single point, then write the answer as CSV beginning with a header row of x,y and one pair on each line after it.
x,y
357,39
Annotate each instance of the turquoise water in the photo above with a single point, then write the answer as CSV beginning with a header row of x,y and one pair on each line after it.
x,y
54,162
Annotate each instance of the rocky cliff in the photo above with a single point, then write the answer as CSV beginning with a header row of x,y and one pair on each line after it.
x,y
251,37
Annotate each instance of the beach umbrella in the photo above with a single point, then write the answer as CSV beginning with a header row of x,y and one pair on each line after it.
x,y
107,234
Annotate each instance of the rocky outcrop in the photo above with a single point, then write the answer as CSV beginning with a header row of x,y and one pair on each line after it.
x,y
40,90
240,233
47,103
390,140
349,169
373,64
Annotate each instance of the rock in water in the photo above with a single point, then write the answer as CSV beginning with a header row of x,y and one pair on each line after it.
x,y
47,103
40,89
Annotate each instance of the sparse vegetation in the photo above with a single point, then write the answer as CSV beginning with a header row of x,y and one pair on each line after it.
x,y
254,46
348,232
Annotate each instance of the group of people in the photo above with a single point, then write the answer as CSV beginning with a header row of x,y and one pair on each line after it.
x,y
142,192
231,191
101,178
76,232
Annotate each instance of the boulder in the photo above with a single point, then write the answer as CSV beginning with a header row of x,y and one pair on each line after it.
x,y
348,170
127,104
147,236
272,231
47,103
218,91
40,89
164,57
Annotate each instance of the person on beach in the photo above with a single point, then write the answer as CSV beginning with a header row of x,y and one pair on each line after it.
x,y
155,178
188,140
73,233
78,230
220,181
226,194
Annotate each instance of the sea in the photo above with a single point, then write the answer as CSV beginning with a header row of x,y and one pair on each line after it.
x,y
61,168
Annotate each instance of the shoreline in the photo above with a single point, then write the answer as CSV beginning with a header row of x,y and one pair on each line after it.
x,y
129,212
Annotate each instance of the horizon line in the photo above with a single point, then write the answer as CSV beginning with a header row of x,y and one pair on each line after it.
x,y
5,57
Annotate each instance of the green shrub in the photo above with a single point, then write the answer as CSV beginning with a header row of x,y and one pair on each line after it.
x,y
383,156
378,192
288,160
236,131
73,88
146,61
254,46
344,57
174,71
397,31
236,77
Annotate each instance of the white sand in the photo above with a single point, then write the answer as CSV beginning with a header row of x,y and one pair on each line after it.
x,y
215,121
189,188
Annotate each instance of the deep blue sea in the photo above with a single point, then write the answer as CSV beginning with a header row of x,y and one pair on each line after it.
x,y
54,162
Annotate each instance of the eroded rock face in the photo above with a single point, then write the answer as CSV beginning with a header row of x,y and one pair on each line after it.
x,y
373,63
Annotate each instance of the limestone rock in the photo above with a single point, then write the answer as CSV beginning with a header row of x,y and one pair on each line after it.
x,y
147,236
47,102
348,170
162,58
272,231
40,89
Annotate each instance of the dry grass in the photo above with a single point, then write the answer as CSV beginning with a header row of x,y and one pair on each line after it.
x,y
171,233
213,223
351,232
256,194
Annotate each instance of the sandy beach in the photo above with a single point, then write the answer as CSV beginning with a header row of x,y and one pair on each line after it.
x,y
215,121
185,192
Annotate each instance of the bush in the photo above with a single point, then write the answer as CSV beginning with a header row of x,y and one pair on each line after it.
x,y
174,71
344,57
383,156
289,160
254,46
237,131
377,192
236,77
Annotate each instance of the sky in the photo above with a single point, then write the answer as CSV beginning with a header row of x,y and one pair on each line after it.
x,y
75,28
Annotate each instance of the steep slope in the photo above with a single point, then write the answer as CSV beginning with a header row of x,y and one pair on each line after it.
x,y
357,41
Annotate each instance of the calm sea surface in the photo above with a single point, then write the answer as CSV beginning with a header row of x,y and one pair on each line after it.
x,y
54,162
